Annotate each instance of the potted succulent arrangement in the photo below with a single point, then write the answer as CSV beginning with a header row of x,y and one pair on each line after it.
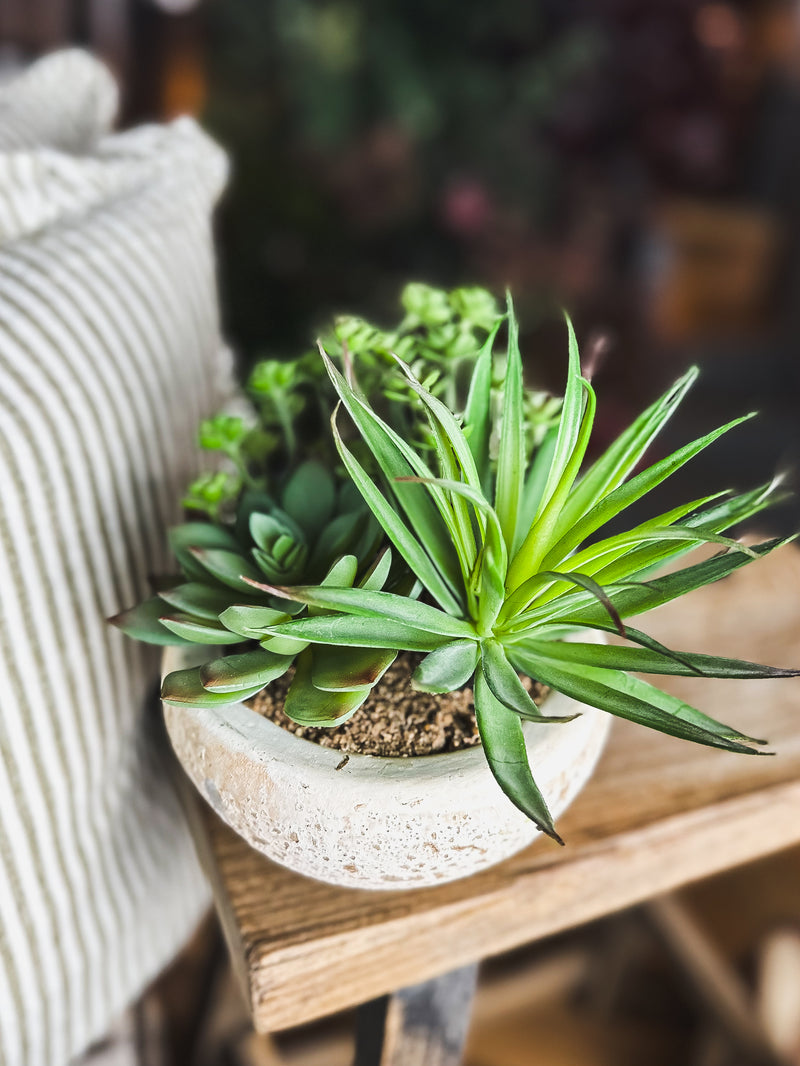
x,y
406,524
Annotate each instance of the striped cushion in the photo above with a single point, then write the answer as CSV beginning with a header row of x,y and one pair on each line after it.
x,y
109,354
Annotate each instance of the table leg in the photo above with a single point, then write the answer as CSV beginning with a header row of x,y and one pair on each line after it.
x,y
423,1025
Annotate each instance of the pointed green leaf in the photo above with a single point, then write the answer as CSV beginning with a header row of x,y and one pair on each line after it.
x,y
397,459
190,629
184,687
233,673
621,695
226,566
649,661
308,705
547,525
625,495
507,687
309,497
406,542
504,747
449,425
447,668
347,669
360,632
638,597
477,415
201,601
378,605
251,622
623,456
570,421
511,455
143,622
535,480
491,565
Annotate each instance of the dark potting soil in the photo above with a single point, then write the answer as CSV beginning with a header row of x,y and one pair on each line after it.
x,y
395,721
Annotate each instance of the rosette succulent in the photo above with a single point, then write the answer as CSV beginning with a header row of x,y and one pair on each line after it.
x,y
489,553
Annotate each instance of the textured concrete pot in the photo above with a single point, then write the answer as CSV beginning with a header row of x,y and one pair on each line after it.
x,y
376,822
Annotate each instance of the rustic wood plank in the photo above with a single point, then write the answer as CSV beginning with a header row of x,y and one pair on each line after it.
x,y
423,1025
658,814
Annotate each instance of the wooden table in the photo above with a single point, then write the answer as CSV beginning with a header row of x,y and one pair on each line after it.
x,y
657,814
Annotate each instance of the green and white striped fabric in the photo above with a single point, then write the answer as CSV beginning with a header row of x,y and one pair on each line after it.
x,y
110,353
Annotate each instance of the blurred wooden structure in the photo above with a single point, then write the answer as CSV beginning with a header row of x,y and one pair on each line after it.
x,y
715,269
658,814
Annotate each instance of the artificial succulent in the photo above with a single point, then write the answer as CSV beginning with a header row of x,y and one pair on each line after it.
x,y
498,551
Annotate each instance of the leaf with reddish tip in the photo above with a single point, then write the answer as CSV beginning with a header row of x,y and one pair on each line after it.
x,y
233,673
348,669
183,687
308,705
143,622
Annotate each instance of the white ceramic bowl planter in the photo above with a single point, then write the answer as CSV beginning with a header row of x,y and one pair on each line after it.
x,y
373,822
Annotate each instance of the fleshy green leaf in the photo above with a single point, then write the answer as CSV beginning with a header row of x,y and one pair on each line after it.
x,y
621,695
143,622
308,705
511,457
348,669
342,573
309,497
251,622
198,535
649,661
406,542
378,574
507,687
360,632
234,673
190,629
504,747
185,687
226,566
199,600
378,605
447,668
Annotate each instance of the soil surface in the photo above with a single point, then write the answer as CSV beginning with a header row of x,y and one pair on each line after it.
x,y
395,721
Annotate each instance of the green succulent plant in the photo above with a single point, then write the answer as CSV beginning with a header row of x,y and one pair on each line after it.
x,y
440,335
317,531
499,553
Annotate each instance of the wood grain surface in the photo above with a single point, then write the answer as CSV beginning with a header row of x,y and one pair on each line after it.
x,y
658,813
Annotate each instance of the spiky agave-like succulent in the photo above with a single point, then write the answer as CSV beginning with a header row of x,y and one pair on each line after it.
x,y
511,557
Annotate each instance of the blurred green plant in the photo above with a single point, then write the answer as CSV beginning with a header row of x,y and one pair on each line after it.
x,y
354,127
440,335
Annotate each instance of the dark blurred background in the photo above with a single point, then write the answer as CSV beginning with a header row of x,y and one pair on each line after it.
x,y
636,162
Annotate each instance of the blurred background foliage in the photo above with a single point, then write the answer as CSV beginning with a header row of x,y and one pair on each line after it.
x,y
635,161
373,143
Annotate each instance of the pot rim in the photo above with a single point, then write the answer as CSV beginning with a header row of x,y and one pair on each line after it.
x,y
178,657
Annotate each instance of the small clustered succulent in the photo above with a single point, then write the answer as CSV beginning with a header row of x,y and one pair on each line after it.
x,y
453,516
